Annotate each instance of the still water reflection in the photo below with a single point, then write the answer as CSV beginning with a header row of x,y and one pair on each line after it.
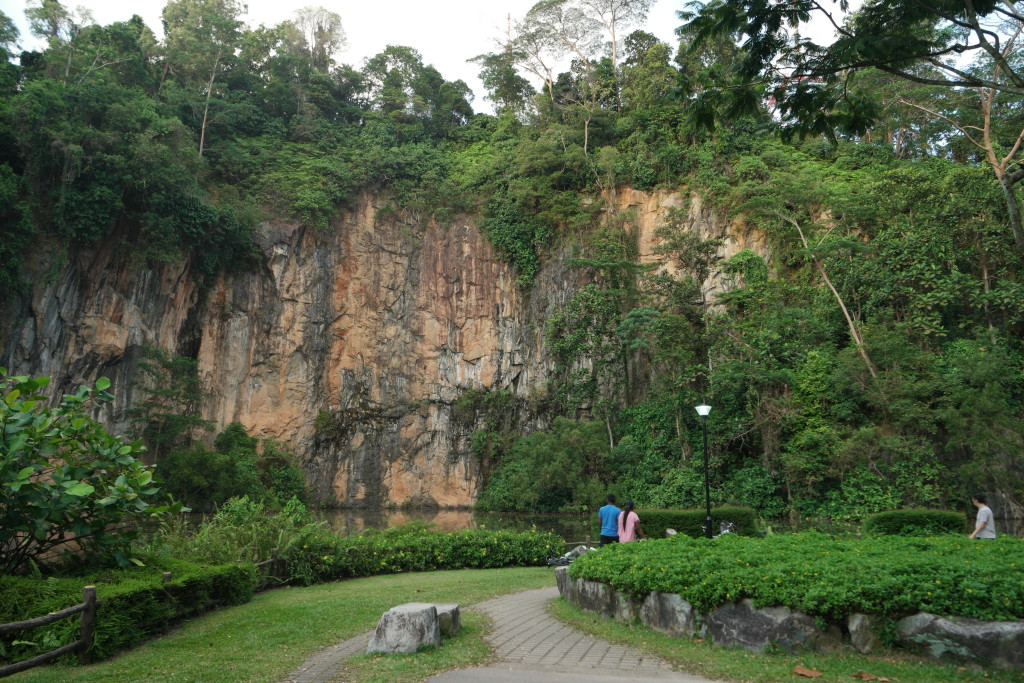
x,y
569,527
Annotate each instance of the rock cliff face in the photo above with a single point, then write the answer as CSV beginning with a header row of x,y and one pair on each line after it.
x,y
351,345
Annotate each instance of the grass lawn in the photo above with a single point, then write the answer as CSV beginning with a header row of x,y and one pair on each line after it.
x,y
732,664
265,639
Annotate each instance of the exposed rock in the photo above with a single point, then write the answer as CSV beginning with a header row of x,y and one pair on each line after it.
x,y
863,630
668,613
406,628
566,586
449,618
349,345
740,623
597,597
998,643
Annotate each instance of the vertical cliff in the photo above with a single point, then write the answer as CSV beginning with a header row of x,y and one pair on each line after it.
x,y
350,345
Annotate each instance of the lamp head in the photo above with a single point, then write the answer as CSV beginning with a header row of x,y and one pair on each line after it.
x,y
703,409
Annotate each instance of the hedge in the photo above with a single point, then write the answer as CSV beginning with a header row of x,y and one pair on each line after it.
x,y
691,522
327,558
134,604
915,523
822,576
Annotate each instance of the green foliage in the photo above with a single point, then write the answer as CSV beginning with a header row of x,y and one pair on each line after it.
x,y
915,523
66,484
329,558
691,522
236,467
822,576
135,604
242,530
566,468
171,412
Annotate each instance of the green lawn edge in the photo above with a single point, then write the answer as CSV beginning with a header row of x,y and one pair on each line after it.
x,y
265,639
703,658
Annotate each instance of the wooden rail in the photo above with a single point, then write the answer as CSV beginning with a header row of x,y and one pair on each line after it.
x,y
88,611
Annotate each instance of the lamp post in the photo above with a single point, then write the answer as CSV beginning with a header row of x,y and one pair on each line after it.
x,y
703,409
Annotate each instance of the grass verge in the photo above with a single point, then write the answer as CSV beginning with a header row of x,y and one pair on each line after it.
x,y
703,658
465,649
265,639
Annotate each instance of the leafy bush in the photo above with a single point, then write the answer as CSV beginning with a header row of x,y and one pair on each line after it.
x,y
327,558
915,523
823,576
65,482
564,468
134,604
241,530
205,478
691,522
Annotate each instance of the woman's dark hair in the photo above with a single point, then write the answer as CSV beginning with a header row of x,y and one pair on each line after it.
x,y
626,509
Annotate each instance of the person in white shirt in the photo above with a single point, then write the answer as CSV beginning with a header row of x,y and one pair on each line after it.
x,y
985,526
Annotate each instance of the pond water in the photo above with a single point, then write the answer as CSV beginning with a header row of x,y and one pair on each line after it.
x,y
569,527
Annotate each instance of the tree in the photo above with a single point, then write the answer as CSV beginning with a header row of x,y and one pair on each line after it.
x,y
509,91
317,34
201,36
809,82
170,414
65,482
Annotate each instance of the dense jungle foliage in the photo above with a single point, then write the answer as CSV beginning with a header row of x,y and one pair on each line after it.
x,y
873,361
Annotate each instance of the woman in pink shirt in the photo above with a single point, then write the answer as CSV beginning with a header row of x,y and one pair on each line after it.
x,y
629,524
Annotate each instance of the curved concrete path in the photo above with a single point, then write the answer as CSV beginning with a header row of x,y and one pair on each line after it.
x,y
529,644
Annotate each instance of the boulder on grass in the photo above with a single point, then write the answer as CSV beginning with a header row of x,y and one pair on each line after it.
x,y
998,643
406,628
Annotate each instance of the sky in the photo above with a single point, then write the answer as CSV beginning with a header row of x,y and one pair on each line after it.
x,y
445,32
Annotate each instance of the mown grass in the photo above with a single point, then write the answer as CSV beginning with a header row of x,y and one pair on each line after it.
x,y
465,649
265,639
703,658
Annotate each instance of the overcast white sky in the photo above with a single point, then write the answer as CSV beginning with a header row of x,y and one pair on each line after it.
x,y
446,32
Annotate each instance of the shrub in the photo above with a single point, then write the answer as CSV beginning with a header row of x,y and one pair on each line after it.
x,y
915,523
691,522
134,604
65,482
821,576
327,558
241,530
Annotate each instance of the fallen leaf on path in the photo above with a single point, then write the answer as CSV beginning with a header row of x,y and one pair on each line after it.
x,y
864,676
801,670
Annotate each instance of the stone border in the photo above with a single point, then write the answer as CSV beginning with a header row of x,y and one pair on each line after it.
x,y
994,643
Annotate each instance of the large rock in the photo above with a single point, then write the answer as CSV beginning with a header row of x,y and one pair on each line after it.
x,y
864,632
449,619
597,597
668,613
566,586
740,623
406,628
998,643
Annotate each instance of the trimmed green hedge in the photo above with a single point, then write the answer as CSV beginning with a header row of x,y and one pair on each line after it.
x,y
822,576
915,522
691,522
328,558
134,604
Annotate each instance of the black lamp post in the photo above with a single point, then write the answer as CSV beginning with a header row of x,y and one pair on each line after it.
x,y
703,409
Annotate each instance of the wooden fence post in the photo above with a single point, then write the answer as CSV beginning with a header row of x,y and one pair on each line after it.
x,y
88,623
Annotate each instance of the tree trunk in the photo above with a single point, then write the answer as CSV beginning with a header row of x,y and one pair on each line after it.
x,y
206,108
1013,208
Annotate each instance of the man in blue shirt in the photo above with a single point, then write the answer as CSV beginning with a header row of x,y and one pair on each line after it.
x,y
609,516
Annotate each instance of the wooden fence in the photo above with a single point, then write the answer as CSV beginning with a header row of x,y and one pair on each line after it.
x,y
81,646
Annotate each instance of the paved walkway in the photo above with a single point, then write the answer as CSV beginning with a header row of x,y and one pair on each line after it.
x,y
529,644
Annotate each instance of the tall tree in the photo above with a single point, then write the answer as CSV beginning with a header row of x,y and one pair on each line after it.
x,y
201,36
317,34
809,82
